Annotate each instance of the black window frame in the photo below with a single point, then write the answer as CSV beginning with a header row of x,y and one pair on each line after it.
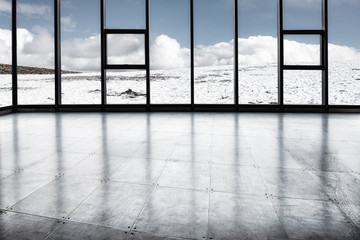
x,y
235,107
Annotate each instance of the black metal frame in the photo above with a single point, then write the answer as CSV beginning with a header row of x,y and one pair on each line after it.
x,y
236,107
323,66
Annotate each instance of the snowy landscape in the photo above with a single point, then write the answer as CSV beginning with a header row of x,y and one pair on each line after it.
x,y
213,85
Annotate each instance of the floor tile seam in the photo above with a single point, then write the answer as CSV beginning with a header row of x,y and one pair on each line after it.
x,y
183,188
59,221
210,189
184,161
36,190
59,173
347,222
280,168
67,217
69,221
272,195
30,171
257,167
33,215
130,183
155,185
332,171
160,235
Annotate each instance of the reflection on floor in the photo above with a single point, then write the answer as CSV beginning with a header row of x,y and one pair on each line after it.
x,y
179,175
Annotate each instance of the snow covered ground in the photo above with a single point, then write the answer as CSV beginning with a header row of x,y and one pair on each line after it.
x,y
213,85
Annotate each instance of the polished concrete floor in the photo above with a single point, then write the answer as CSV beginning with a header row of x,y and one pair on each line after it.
x,y
179,175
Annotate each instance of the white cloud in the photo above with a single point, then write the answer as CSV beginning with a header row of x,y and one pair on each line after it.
x,y
25,8
5,6
34,9
166,53
5,46
83,54
67,24
35,49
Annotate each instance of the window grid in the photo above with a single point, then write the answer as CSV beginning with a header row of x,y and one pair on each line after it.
x,y
58,106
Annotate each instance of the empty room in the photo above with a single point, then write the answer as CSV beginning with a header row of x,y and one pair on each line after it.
x,y
179,119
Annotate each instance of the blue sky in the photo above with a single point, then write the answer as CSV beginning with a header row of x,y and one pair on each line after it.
x,y
170,26
213,18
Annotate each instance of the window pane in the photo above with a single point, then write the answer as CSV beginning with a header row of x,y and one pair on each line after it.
x,y
80,52
214,52
344,52
302,50
126,87
126,49
302,87
36,52
258,78
302,14
125,14
5,56
170,51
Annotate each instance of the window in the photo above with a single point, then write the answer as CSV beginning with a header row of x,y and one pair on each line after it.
x,y
125,14
344,52
302,87
5,55
302,14
302,50
80,52
35,41
126,87
214,52
258,78
125,49
170,51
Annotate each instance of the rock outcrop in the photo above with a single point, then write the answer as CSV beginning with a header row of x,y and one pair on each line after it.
x,y
7,69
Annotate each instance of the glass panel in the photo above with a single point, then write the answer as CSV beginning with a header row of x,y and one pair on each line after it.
x,y
126,49
302,14
126,87
80,52
170,51
125,14
302,87
36,52
258,76
302,50
344,52
5,55
214,70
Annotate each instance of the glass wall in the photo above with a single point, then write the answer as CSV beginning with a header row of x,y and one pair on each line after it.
x,y
80,52
302,87
5,55
344,52
170,51
214,51
126,49
302,50
302,15
258,76
125,14
35,41
126,87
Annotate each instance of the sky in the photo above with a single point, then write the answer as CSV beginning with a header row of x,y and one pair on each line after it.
x,y
169,26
